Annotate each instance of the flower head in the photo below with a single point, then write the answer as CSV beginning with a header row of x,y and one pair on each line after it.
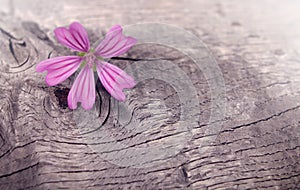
x,y
83,90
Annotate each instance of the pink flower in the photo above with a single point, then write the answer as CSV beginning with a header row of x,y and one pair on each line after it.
x,y
83,90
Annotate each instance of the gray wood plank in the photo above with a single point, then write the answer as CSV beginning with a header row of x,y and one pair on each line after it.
x,y
254,144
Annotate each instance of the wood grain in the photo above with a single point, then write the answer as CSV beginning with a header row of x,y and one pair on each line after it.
x,y
44,145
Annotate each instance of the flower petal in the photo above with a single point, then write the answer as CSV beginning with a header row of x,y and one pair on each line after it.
x,y
114,79
83,90
75,37
59,68
114,43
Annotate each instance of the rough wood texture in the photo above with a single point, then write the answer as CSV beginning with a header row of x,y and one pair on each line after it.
x,y
44,145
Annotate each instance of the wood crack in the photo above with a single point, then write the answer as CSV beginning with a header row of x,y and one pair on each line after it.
x,y
262,120
19,171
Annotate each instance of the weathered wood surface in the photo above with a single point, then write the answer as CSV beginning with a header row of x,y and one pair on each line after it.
x,y
44,145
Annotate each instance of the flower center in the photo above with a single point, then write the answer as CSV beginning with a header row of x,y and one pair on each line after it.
x,y
90,59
